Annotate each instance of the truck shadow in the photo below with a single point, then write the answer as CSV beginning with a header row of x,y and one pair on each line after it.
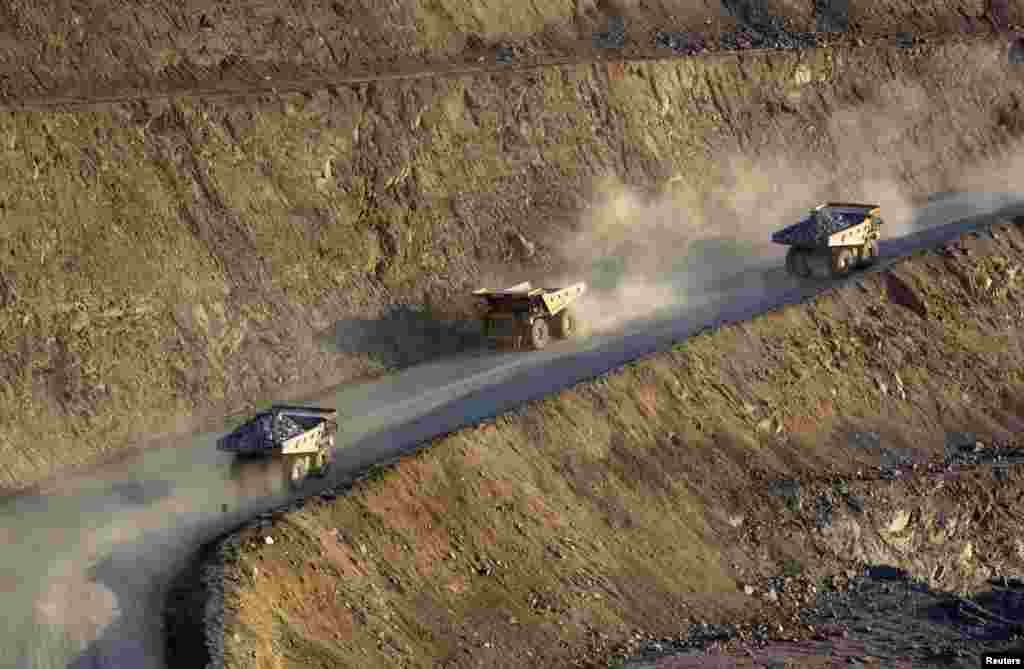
x,y
405,336
141,493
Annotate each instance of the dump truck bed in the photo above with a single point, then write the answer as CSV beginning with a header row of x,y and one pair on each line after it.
x,y
829,224
523,296
283,429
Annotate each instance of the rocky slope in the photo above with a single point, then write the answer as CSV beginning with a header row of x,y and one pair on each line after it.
x,y
184,258
82,49
727,480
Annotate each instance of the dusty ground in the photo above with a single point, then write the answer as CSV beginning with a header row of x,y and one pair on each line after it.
x,y
189,258
778,454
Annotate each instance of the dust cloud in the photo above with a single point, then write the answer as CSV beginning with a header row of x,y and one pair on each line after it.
x,y
646,254
99,580
83,610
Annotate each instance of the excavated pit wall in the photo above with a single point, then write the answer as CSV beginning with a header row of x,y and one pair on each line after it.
x,y
81,49
186,258
858,428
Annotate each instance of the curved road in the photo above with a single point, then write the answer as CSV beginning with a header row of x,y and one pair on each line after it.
x,y
83,569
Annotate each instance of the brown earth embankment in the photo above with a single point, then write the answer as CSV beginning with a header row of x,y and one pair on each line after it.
x,y
797,443
188,258
82,49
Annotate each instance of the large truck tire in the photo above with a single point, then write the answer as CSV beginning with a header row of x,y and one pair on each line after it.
x,y
819,263
796,262
321,463
842,262
296,470
325,457
566,324
539,334
869,254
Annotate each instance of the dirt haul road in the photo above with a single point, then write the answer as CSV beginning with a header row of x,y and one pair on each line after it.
x,y
86,566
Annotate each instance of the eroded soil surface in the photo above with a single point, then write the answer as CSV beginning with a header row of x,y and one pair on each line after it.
x,y
877,615
879,618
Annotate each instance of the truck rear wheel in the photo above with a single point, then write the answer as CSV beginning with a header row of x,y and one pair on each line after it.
x,y
298,469
796,262
539,334
566,324
819,263
842,261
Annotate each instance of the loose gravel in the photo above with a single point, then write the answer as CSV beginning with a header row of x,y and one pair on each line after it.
x,y
769,35
880,618
684,44
1016,54
264,432
832,16
614,37
816,228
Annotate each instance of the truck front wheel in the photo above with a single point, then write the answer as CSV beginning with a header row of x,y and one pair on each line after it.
x,y
539,334
869,254
566,324
298,469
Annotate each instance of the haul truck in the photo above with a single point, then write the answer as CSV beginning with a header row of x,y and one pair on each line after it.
x,y
835,238
301,438
523,313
